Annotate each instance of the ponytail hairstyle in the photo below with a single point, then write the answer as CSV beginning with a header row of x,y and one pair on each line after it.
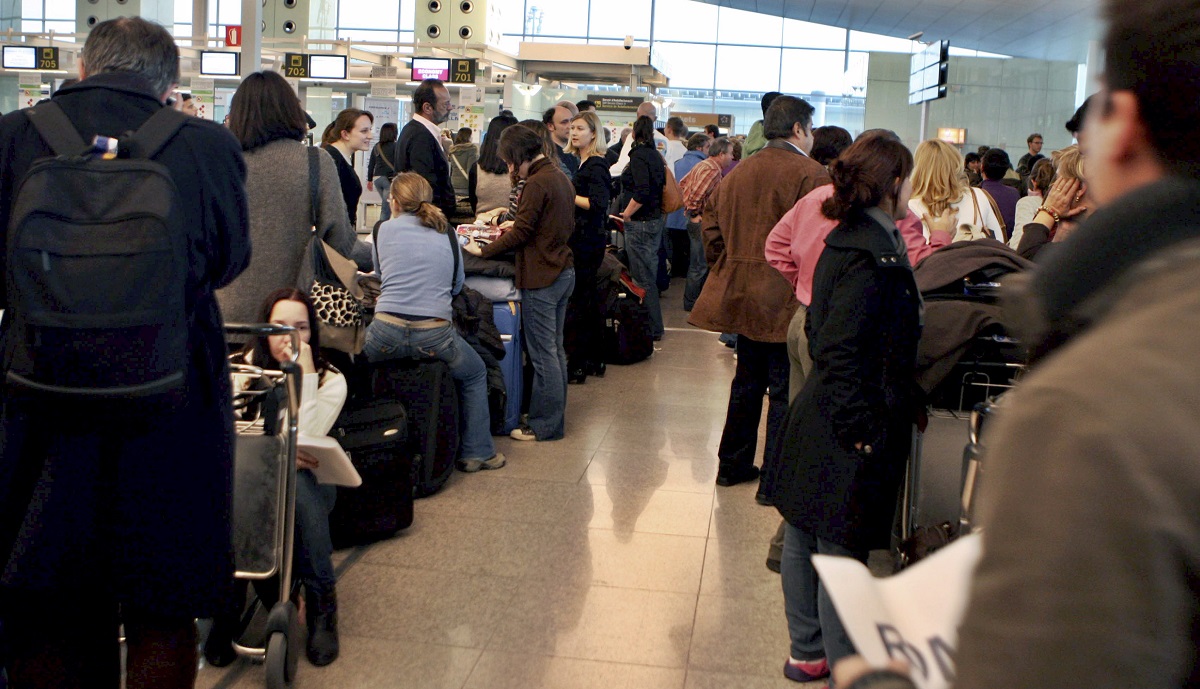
x,y
865,175
412,194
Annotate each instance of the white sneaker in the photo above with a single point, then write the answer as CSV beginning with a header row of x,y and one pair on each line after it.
x,y
523,433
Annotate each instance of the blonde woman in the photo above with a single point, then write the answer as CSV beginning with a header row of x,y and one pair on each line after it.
x,y
415,256
1065,205
592,194
940,184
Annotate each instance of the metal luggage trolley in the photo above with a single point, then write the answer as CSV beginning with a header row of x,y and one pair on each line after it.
x,y
264,500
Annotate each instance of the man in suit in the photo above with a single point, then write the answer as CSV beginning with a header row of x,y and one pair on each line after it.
x,y
419,148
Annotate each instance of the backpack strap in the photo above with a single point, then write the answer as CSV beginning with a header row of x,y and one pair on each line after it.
x,y
54,126
155,133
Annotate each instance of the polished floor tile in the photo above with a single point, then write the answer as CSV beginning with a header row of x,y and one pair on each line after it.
x,y
607,560
519,671
598,623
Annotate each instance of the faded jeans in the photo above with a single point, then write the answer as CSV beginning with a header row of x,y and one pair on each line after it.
x,y
544,318
814,626
697,272
382,185
392,341
642,241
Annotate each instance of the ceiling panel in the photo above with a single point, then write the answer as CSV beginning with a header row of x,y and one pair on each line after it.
x,y
1041,29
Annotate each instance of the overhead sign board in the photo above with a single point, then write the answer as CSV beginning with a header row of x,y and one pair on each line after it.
x,y
295,65
616,103
462,71
430,68
700,120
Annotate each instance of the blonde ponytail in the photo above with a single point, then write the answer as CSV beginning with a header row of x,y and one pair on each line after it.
x,y
431,216
412,194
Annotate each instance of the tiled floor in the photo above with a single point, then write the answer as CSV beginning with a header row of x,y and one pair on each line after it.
x,y
607,560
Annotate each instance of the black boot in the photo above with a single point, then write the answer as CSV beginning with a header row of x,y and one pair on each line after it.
x,y
576,375
218,647
597,368
322,628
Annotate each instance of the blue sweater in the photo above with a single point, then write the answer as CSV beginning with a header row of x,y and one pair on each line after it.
x,y
414,263
678,219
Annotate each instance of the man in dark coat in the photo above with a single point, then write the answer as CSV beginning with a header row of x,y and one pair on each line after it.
x,y
129,516
419,148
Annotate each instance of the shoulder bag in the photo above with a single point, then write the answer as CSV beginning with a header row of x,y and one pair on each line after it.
x,y
672,198
335,292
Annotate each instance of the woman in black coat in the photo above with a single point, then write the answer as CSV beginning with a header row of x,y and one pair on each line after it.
x,y
848,431
593,185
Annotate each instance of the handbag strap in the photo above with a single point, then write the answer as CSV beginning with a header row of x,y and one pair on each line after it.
x,y
458,165
454,251
999,218
314,183
383,155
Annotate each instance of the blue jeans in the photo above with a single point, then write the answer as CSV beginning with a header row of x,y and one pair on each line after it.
x,y
543,318
313,546
697,267
813,624
642,241
391,341
382,185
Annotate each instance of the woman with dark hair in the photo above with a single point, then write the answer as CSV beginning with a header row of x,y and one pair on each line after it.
x,y
488,184
323,392
266,117
544,222
849,429
351,132
642,184
463,156
380,168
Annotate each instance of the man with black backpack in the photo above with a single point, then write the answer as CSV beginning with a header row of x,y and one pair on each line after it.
x,y
119,217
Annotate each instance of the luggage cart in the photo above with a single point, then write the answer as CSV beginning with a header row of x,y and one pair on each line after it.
x,y
264,500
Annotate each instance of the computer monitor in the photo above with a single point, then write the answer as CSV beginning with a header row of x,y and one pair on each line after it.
x,y
327,66
215,63
430,68
20,57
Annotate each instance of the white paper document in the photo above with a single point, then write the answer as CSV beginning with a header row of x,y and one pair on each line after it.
x,y
334,466
913,616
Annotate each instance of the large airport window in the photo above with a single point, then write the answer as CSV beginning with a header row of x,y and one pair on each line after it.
x,y
60,9
620,18
371,36
809,71
747,69
229,12
556,18
798,34
408,15
685,20
690,65
368,13
32,9
738,27
879,44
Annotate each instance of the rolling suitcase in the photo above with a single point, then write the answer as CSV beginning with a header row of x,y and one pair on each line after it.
x,y
628,335
375,437
430,399
507,315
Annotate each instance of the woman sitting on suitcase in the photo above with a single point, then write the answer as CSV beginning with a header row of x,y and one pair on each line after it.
x,y
418,260
323,393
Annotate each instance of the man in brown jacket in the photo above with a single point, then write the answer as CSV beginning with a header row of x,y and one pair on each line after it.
x,y
745,295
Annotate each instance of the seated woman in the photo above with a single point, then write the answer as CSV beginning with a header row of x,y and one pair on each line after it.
x,y
413,317
322,395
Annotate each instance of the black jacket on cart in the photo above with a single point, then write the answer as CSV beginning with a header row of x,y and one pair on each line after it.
x,y
164,545
863,327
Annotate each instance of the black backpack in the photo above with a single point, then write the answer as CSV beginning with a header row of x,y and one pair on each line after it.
x,y
97,267
628,335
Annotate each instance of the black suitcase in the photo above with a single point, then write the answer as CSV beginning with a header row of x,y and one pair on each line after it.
x,y
430,398
628,335
375,437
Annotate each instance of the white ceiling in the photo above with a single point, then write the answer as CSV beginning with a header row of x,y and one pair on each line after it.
x,y
1041,29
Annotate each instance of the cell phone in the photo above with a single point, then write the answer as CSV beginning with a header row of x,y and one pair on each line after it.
x,y
463,240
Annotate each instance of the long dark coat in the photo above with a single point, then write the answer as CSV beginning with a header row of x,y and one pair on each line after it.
x,y
863,327
135,506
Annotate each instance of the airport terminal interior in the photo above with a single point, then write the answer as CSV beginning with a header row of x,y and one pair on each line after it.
x,y
608,559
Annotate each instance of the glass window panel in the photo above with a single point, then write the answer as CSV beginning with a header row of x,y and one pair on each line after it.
x,y
60,9
229,12
183,11
747,69
689,65
856,75
375,14
31,25
556,18
620,18
876,43
808,71
685,20
369,35
60,27
750,28
212,11
181,30
31,9
798,34
408,15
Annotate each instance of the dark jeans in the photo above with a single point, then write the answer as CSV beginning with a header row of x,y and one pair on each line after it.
x,y
585,324
762,369
543,318
314,548
697,272
642,242
813,624
680,248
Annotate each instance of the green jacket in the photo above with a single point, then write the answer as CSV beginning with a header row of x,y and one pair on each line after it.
x,y
755,140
